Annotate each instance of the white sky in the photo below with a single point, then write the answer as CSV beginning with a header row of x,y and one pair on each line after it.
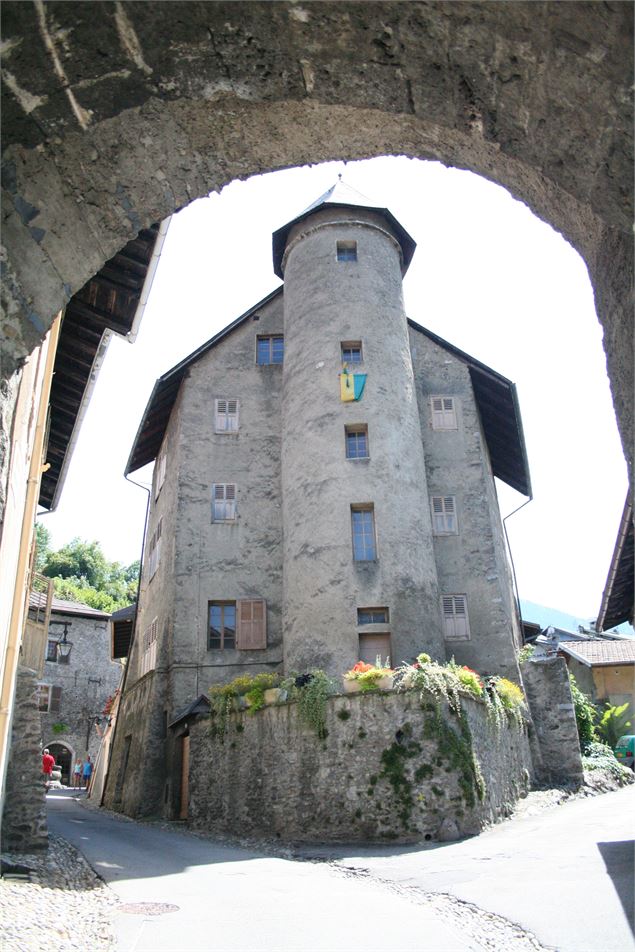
x,y
487,276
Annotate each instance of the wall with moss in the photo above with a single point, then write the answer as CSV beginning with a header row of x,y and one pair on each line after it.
x,y
389,768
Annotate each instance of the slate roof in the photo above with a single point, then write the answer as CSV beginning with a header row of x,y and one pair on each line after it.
x,y
619,591
601,653
61,607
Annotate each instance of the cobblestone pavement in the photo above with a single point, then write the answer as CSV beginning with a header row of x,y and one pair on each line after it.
x,y
63,907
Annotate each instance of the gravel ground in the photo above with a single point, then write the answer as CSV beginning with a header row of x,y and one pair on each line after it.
x,y
63,906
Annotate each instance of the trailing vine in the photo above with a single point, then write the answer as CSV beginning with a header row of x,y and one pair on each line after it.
x,y
313,694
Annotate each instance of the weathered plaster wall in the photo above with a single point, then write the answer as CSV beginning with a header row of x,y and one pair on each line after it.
x,y
24,818
327,302
87,681
114,116
546,685
473,561
384,772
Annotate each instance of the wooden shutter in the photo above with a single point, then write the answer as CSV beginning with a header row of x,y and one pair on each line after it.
x,y
455,619
251,624
56,699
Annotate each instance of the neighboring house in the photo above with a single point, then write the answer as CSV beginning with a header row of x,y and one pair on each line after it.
x,y
76,683
323,492
605,670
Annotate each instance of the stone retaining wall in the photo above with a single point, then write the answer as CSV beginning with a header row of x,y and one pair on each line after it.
x,y
387,770
546,684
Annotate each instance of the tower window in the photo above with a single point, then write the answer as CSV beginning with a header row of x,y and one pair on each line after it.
x,y
224,502
356,441
443,413
352,352
456,626
372,616
270,350
363,528
222,625
347,251
443,515
226,416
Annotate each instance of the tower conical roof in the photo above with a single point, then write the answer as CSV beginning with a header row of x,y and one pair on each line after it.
x,y
342,195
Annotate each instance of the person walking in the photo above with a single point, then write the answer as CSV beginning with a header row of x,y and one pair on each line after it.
x,y
87,771
48,762
77,774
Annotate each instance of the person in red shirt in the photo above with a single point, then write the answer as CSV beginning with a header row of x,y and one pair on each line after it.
x,y
48,762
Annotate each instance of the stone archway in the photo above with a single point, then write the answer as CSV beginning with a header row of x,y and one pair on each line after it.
x,y
116,114
64,758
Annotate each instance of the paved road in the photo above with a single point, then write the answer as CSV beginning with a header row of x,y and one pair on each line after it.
x,y
564,875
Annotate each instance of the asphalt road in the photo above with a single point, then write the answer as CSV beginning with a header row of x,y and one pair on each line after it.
x,y
565,875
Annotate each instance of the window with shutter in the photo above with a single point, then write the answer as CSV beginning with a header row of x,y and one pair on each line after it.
x,y
251,629
222,625
224,502
455,621
56,699
226,416
160,469
443,413
149,646
443,515
154,549
43,697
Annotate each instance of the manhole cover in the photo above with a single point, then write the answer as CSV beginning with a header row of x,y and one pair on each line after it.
x,y
147,908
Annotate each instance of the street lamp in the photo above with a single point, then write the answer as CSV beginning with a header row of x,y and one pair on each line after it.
x,y
64,646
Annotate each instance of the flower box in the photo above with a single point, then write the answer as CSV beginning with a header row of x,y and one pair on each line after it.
x,y
351,686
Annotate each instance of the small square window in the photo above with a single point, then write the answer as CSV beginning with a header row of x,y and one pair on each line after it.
x,y
372,616
356,441
443,413
51,650
347,251
270,350
443,515
363,528
352,352
224,502
456,626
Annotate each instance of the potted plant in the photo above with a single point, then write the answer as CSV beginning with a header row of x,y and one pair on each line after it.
x,y
366,677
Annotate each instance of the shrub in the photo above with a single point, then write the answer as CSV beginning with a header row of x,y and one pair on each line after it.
x,y
613,723
584,715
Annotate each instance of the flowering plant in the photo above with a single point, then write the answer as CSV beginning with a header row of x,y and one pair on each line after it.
x,y
360,668
470,680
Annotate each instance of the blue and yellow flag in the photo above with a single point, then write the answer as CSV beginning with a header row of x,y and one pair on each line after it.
x,y
351,385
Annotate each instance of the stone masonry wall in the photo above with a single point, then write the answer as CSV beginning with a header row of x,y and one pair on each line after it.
x,y
387,770
547,689
24,820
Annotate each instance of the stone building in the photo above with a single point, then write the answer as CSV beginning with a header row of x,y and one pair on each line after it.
x,y
323,491
75,685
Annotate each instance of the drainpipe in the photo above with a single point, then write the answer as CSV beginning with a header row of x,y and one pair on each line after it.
x,y
511,562
36,468
132,639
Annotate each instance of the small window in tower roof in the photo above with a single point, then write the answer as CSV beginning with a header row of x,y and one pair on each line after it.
x,y
225,415
443,410
347,251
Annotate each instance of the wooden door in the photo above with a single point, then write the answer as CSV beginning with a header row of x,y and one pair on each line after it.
x,y
185,776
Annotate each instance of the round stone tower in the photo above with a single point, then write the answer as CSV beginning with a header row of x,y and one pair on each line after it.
x,y
359,570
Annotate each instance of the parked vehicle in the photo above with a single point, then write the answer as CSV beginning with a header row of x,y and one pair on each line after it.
x,y
625,750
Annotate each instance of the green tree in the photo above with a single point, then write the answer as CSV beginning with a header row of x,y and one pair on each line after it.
x,y
82,573
43,545
79,560
585,715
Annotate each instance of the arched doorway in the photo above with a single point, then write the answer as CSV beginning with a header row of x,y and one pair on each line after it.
x,y
64,759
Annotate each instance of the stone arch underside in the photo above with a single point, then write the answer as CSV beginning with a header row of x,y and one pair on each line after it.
x,y
115,115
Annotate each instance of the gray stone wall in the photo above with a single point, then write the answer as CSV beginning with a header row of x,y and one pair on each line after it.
x,y
548,693
328,302
474,560
387,770
24,819
87,681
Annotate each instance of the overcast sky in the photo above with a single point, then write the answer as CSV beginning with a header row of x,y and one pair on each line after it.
x,y
487,276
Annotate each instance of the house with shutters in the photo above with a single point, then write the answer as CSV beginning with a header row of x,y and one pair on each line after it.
x,y
323,492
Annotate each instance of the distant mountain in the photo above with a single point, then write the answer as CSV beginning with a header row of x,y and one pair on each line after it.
x,y
543,616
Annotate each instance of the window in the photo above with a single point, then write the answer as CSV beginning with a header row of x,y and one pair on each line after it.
x,y
351,351
51,650
443,515
455,622
443,413
363,526
154,549
356,441
270,350
49,698
372,616
222,625
241,625
346,251
149,646
161,465
372,646
224,502
226,416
